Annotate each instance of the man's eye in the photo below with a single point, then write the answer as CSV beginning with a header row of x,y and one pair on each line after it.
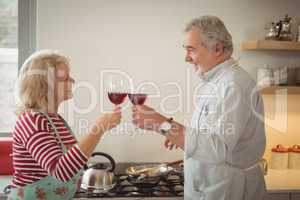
x,y
191,50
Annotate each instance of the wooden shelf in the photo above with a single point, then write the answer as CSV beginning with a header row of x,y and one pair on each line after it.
x,y
275,89
270,45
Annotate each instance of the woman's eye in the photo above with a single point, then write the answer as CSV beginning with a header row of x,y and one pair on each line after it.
x,y
61,79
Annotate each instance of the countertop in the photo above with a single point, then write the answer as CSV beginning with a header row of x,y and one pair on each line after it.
x,y
134,198
283,181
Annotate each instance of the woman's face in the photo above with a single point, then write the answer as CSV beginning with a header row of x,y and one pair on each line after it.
x,y
63,83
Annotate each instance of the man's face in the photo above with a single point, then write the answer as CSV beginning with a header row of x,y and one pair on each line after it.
x,y
196,51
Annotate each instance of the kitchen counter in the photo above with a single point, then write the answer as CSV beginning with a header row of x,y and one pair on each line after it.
x,y
277,181
4,181
133,198
283,180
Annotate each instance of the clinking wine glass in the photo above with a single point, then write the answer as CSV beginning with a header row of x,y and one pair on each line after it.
x,y
138,98
116,90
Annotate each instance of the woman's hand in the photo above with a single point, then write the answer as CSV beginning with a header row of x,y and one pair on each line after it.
x,y
103,123
107,121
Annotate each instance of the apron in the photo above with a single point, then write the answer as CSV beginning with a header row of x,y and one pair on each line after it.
x,y
222,181
226,182
48,188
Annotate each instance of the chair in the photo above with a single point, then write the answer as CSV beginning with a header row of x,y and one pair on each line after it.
x,y
6,161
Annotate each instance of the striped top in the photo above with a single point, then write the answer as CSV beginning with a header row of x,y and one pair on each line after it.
x,y
37,152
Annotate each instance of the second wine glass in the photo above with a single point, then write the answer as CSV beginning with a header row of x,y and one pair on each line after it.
x,y
138,98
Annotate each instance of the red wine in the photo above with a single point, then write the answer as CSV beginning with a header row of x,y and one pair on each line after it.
x,y
137,99
116,98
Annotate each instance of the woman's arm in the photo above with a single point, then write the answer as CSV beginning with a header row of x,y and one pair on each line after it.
x,y
41,143
105,122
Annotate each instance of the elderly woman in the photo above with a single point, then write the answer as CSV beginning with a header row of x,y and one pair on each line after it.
x,y
47,158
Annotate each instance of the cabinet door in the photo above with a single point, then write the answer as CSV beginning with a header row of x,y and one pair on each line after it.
x,y
295,196
277,196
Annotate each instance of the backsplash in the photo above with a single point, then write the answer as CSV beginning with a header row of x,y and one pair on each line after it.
x,y
285,123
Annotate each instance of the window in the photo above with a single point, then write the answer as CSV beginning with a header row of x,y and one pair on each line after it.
x,y
17,41
8,61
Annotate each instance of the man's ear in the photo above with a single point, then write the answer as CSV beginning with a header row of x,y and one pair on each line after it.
x,y
219,48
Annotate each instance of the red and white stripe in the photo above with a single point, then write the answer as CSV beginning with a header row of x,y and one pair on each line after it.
x,y
37,152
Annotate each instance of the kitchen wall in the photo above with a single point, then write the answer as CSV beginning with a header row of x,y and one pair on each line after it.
x,y
282,120
144,40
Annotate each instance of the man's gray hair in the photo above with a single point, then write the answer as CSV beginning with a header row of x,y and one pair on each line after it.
x,y
212,30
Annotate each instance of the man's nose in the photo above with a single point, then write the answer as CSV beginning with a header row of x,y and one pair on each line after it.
x,y
188,57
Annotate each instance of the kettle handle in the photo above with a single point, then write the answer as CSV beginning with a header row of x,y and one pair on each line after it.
x,y
112,161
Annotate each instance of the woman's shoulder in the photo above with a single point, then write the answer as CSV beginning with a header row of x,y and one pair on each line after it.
x,y
31,115
33,120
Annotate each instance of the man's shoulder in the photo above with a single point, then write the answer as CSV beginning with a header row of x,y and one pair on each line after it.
x,y
238,81
239,77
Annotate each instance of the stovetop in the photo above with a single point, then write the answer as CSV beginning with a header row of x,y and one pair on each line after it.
x,y
167,186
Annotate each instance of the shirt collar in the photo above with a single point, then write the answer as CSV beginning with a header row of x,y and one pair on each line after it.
x,y
217,70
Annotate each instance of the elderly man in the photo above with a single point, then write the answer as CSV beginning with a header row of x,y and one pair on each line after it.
x,y
226,139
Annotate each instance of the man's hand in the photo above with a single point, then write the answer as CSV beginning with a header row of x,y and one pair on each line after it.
x,y
169,145
147,118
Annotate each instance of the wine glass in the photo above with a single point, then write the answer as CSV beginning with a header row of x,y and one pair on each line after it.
x,y
116,89
138,97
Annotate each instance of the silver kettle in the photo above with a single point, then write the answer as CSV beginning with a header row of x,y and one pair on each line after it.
x,y
98,178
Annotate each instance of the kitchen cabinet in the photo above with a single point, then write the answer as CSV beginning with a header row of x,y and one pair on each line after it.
x,y
295,196
282,196
277,196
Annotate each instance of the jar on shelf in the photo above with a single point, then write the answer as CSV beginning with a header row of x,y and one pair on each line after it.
x,y
294,157
298,39
297,74
279,157
264,76
281,76
291,76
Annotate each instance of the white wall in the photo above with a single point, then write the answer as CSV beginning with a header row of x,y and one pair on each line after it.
x,y
144,39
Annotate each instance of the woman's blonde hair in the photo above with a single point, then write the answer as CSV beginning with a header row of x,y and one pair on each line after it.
x,y
35,80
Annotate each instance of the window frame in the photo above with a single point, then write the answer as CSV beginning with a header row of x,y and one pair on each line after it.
x,y
27,23
27,18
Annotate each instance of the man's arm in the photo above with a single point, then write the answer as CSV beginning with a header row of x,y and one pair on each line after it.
x,y
147,118
218,132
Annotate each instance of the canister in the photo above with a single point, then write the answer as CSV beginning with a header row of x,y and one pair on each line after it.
x,y
291,75
264,76
297,75
298,34
294,157
279,157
